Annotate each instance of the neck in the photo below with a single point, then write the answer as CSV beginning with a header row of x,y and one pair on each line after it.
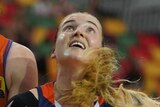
x,y
65,77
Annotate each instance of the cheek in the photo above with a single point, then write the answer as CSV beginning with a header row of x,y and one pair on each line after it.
x,y
60,39
96,42
61,36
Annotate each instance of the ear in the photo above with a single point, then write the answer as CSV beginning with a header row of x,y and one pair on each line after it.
x,y
53,55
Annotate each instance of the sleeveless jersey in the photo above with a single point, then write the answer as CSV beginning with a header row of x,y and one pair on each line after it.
x,y
5,45
46,96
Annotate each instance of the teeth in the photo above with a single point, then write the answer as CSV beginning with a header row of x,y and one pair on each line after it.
x,y
77,44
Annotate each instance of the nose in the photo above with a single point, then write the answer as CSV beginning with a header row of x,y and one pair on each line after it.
x,y
78,33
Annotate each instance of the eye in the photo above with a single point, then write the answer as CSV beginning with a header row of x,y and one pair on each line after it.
x,y
69,28
90,30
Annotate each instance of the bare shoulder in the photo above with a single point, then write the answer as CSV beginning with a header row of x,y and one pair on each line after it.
x,y
20,58
21,69
18,50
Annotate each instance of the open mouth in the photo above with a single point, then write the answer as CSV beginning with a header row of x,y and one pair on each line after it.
x,y
77,44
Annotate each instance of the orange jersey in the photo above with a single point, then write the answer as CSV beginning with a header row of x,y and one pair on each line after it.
x,y
46,95
5,45
47,99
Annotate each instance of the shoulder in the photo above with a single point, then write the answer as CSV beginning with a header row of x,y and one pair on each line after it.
x,y
23,100
45,88
18,50
20,60
44,91
21,69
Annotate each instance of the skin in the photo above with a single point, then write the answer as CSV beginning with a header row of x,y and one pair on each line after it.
x,y
80,27
86,29
21,70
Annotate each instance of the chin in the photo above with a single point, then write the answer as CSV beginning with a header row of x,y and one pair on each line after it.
x,y
71,55
74,53
73,58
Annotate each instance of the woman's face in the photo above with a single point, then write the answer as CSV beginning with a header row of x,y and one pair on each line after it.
x,y
77,33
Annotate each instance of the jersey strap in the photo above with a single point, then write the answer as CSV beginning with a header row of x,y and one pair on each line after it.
x,y
46,95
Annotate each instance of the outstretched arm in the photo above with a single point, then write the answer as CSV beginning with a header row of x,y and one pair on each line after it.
x,y
21,70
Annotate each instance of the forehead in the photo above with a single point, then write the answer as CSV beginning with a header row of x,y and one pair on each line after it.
x,y
82,18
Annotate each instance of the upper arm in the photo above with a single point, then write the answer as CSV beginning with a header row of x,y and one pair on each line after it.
x,y
21,70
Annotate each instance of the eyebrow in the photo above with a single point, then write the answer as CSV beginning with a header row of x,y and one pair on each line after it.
x,y
68,22
74,21
93,23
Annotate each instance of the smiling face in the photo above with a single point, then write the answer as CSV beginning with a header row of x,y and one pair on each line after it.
x,y
77,33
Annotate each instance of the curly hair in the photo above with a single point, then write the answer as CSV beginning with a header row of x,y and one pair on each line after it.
x,y
97,81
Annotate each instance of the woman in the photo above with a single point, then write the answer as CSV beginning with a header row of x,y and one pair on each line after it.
x,y
84,75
